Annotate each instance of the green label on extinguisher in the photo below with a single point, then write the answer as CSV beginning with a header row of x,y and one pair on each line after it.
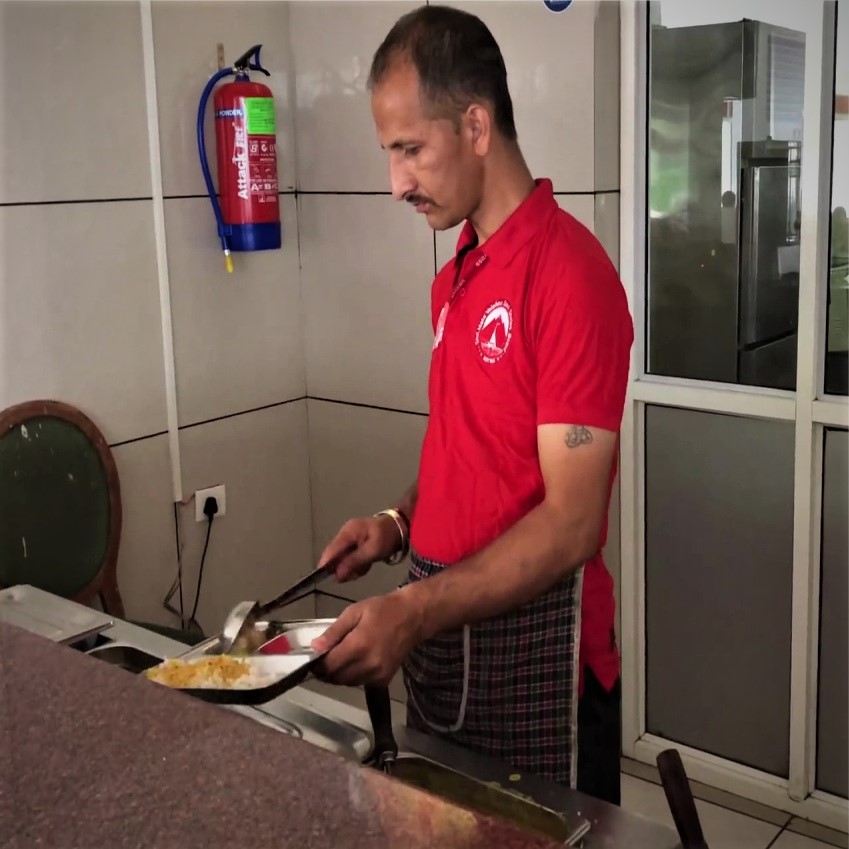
x,y
259,116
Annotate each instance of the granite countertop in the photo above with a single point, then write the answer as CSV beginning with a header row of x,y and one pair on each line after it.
x,y
91,756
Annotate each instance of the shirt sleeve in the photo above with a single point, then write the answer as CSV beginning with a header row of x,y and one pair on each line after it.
x,y
582,335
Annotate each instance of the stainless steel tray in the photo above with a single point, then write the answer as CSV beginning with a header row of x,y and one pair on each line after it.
x,y
48,615
283,661
490,798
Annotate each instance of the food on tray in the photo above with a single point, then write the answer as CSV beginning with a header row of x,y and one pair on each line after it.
x,y
218,672
225,672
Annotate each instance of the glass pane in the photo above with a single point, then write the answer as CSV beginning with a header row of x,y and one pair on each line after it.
x,y
837,335
726,94
719,561
833,702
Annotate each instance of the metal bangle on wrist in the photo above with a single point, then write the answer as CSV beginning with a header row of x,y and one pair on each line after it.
x,y
403,525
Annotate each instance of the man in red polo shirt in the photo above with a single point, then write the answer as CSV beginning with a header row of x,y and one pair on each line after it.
x,y
504,629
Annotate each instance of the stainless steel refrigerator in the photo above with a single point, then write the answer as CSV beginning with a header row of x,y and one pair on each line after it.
x,y
725,129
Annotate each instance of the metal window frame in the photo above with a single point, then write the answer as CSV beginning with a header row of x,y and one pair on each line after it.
x,y
808,407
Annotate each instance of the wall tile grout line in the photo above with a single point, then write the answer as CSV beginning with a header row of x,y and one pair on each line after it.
x,y
243,412
76,201
352,193
138,439
333,596
260,409
286,192
334,192
780,832
124,442
366,406
69,201
583,193
311,494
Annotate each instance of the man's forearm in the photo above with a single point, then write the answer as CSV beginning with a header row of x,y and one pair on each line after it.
x,y
407,504
523,563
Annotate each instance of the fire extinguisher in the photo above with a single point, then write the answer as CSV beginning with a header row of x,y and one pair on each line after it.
x,y
248,209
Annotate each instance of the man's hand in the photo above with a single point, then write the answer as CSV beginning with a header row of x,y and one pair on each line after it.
x,y
375,539
370,640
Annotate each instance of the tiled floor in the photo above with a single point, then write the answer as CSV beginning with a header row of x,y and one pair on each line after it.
x,y
728,829
723,829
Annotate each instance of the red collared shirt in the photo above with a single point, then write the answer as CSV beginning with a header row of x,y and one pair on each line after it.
x,y
530,328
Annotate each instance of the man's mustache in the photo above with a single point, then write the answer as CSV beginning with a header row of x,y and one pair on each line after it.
x,y
415,200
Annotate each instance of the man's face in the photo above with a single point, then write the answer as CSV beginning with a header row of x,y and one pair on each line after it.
x,y
432,164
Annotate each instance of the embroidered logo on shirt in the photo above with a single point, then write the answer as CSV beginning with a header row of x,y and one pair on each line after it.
x,y
440,326
494,331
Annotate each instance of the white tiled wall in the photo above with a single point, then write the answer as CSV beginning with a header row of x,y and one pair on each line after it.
x,y
238,343
186,34
552,64
366,268
147,560
342,316
80,312
606,223
333,44
606,93
361,460
80,317
263,542
73,123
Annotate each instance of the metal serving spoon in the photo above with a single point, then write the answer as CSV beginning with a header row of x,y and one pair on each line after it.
x,y
240,631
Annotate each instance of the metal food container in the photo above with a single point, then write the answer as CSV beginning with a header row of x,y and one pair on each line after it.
x,y
283,661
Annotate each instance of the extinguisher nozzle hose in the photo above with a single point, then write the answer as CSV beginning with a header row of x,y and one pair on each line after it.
x,y
204,164
228,262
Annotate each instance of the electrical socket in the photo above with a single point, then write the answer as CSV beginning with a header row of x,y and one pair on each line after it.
x,y
216,492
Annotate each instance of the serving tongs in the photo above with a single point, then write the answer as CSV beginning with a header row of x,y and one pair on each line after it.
x,y
240,632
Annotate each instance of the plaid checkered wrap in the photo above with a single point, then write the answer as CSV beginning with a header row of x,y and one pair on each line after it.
x,y
522,702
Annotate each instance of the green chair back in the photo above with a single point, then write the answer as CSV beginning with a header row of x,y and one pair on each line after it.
x,y
60,504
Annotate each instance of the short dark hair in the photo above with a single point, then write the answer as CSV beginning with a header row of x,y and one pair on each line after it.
x,y
457,60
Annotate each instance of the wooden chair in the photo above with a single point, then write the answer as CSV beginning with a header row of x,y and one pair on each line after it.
x,y
60,507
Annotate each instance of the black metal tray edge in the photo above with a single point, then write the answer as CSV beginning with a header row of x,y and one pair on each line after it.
x,y
258,695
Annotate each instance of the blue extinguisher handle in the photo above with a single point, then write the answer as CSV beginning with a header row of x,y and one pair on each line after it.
x,y
204,163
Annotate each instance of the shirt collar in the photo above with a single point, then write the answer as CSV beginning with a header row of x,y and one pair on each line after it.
x,y
522,223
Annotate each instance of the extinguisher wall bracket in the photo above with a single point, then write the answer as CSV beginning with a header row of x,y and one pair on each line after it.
x,y
244,63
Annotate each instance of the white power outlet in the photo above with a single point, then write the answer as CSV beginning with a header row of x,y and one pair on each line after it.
x,y
216,492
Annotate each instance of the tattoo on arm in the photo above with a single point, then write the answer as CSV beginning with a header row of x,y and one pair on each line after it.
x,y
578,435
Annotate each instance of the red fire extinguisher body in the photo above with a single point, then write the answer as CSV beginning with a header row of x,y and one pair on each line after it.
x,y
247,159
